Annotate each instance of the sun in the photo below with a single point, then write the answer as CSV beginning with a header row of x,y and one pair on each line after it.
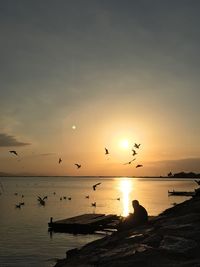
x,y
124,144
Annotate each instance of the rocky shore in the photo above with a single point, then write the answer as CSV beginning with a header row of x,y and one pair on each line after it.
x,y
170,239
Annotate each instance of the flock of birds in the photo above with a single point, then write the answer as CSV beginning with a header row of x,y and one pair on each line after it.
x,y
134,153
42,200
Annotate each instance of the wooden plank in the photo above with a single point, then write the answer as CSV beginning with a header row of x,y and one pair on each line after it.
x,y
80,219
83,223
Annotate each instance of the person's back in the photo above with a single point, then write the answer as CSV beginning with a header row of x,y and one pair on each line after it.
x,y
139,217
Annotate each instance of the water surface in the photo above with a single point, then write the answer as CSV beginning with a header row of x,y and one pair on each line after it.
x,y
25,241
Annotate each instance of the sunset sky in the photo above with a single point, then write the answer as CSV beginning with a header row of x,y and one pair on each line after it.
x,y
78,76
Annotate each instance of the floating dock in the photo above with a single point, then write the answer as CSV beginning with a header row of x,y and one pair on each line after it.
x,y
85,223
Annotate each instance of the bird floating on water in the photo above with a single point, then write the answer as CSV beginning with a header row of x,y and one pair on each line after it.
x,y
94,204
95,185
60,160
13,152
87,196
78,165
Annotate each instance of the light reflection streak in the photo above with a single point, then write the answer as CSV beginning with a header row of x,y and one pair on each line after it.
x,y
125,188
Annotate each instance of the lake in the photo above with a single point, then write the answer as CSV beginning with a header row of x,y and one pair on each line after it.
x,y
25,240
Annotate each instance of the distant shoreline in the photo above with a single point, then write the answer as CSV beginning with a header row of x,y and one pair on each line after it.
x,y
106,176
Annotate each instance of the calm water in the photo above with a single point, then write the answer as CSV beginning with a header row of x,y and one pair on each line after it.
x,y
24,237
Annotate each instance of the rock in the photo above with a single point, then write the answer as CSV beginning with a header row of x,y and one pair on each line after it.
x,y
171,239
178,245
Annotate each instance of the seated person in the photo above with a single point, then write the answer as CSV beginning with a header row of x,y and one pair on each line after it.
x,y
139,217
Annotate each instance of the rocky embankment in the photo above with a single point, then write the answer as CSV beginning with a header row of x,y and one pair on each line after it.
x,y
170,239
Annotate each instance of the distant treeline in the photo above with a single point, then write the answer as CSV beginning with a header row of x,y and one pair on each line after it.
x,y
186,175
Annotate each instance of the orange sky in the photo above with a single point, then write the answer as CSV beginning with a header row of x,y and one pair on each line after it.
x,y
115,71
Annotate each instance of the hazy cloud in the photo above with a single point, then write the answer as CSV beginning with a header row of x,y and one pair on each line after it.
x,y
9,140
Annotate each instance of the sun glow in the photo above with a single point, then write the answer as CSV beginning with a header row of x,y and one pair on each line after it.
x,y
125,188
124,144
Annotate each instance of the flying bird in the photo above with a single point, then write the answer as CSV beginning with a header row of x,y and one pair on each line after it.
x,y
95,185
106,151
129,162
60,160
137,145
78,165
134,152
14,152
94,204
41,200
139,165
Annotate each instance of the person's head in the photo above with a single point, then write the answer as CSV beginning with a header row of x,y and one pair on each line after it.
x,y
135,204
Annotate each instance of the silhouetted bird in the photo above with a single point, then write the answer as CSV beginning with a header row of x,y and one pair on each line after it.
x,y
94,204
118,198
60,160
129,162
134,152
169,174
21,203
14,152
106,151
87,196
139,165
41,201
60,198
18,206
64,197
95,185
78,165
137,145
22,196
69,198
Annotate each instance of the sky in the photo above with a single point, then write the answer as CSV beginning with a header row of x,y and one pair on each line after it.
x,y
81,76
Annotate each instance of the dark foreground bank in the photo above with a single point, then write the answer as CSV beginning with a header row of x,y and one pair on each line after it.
x,y
170,239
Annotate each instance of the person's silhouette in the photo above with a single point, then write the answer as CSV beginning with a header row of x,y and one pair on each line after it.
x,y
139,217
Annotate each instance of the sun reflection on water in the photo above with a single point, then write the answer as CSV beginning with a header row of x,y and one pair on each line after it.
x,y
125,187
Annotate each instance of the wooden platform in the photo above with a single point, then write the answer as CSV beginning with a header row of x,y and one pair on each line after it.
x,y
85,223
